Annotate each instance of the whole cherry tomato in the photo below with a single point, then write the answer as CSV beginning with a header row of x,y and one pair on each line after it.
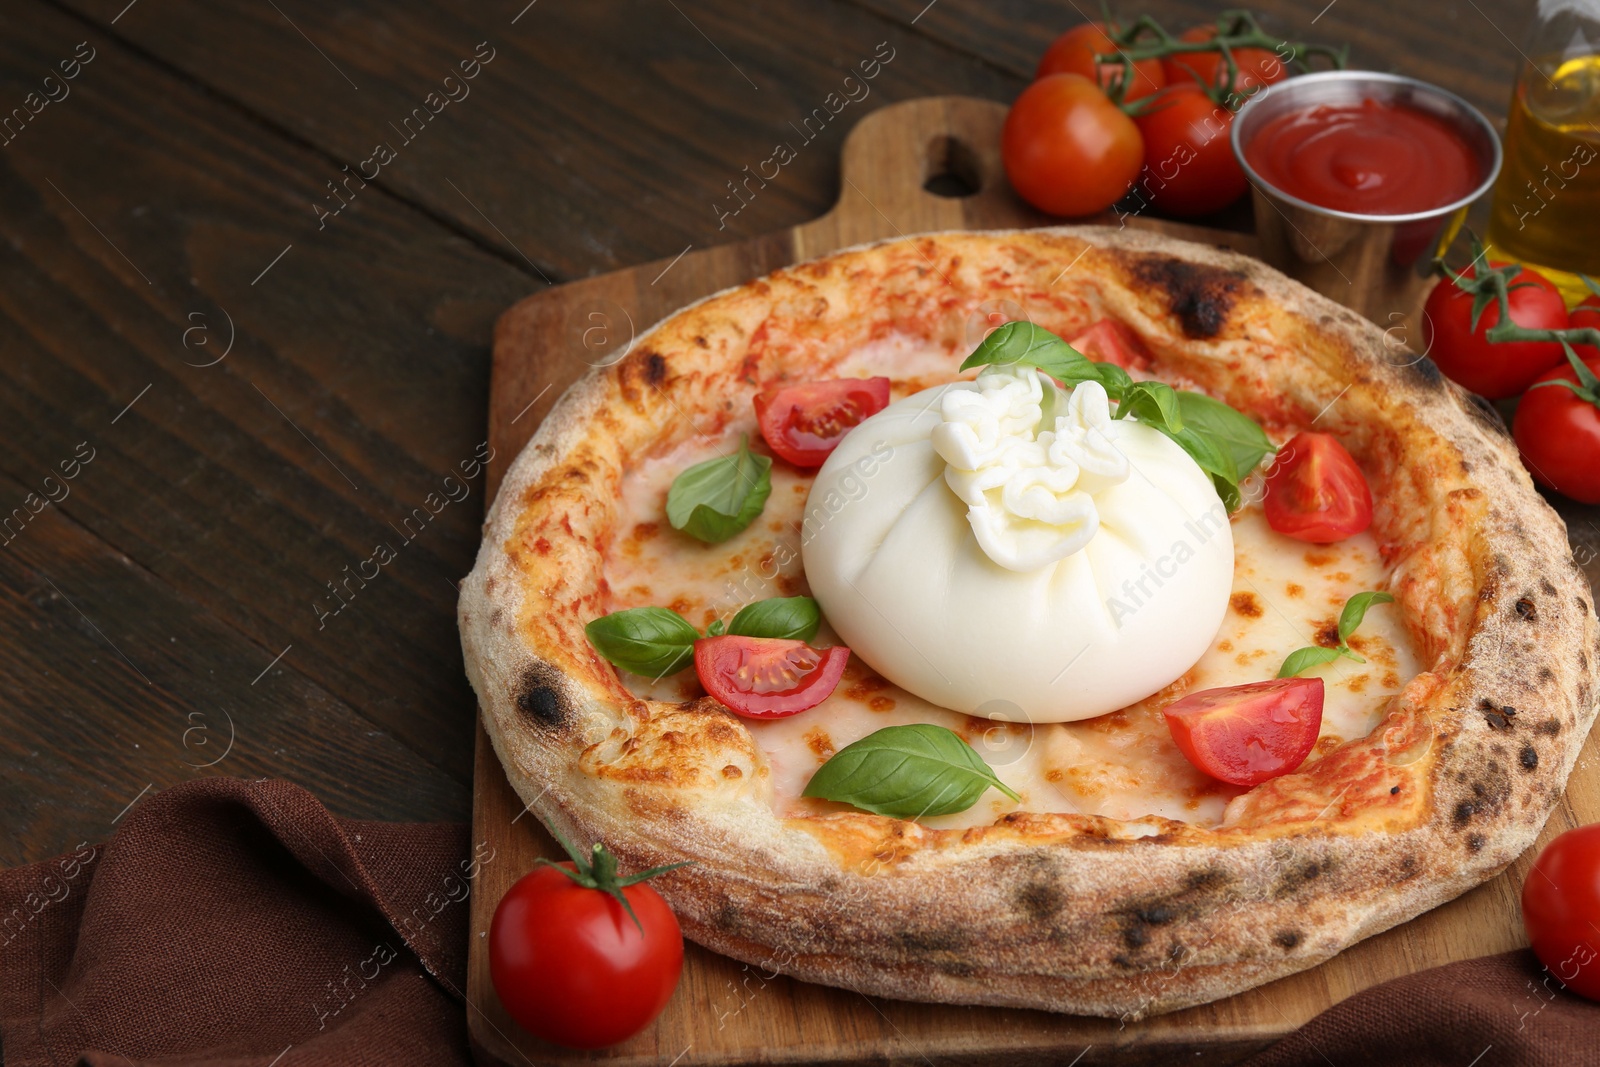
x,y
1315,491
1074,53
1493,370
1189,166
1561,909
1256,66
1246,734
1586,315
804,423
1067,149
1558,431
767,677
574,966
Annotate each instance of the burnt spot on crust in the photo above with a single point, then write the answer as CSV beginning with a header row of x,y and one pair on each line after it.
x,y
1498,718
538,698
655,368
1203,891
1489,795
1463,813
1481,409
1526,609
647,368
1529,758
1288,940
1198,295
1299,877
1546,588
1549,727
1426,372
947,949
1040,901
1475,842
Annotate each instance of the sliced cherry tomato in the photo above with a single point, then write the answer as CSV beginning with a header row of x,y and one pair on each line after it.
x,y
767,677
1257,66
1067,149
1109,341
1189,165
1315,491
1074,51
1246,734
1558,432
804,423
1493,370
571,966
1561,909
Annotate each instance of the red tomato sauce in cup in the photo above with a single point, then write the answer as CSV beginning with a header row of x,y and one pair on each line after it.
x,y
1369,158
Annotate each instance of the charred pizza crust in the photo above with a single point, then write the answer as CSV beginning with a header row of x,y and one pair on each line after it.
x,y
1063,912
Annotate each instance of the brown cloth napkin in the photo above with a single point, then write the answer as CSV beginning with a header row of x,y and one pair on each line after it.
x,y
238,923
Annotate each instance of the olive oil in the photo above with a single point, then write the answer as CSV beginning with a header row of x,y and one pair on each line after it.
x,y
1546,209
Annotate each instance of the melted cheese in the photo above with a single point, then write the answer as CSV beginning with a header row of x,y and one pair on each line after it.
x,y
1123,765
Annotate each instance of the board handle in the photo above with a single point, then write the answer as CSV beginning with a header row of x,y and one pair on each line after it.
x,y
917,166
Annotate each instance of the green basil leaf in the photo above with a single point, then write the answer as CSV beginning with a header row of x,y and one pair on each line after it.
x,y
1020,342
906,772
1355,609
717,628
654,642
792,617
1303,659
1230,428
1215,461
716,499
1153,403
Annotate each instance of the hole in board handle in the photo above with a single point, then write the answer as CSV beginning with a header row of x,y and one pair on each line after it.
x,y
953,170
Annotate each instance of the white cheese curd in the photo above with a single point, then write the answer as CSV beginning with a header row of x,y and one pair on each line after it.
x,y
1002,548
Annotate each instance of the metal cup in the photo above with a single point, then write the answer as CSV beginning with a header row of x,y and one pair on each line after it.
x,y
1377,265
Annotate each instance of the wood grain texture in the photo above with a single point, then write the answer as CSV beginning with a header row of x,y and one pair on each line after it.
x,y
726,1012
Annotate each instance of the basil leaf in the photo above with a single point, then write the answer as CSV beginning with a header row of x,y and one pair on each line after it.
x,y
1303,659
792,617
1355,609
654,642
716,499
1023,342
717,628
906,772
1152,403
1215,461
1234,431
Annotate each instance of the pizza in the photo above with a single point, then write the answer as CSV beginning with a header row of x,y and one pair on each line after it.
x,y
1062,605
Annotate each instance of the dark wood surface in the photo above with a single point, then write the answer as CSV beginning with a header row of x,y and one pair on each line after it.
x,y
174,598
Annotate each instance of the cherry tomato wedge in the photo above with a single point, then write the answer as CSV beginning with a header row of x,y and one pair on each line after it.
x,y
1558,432
1561,909
1315,491
1074,51
1246,734
804,423
1467,357
571,967
1256,66
1109,341
767,677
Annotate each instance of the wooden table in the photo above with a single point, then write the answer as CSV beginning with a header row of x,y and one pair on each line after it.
x,y
277,366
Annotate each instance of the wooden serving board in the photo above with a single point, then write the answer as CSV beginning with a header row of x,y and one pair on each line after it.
x,y
725,1012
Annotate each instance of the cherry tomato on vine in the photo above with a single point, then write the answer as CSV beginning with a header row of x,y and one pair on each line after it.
x,y
1487,368
1315,491
1586,316
1558,432
1561,909
1074,51
767,677
1189,164
1068,150
1246,734
804,423
1256,66
571,963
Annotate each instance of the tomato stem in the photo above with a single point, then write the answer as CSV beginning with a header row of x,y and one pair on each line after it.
x,y
1148,39
598,870
1493,285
